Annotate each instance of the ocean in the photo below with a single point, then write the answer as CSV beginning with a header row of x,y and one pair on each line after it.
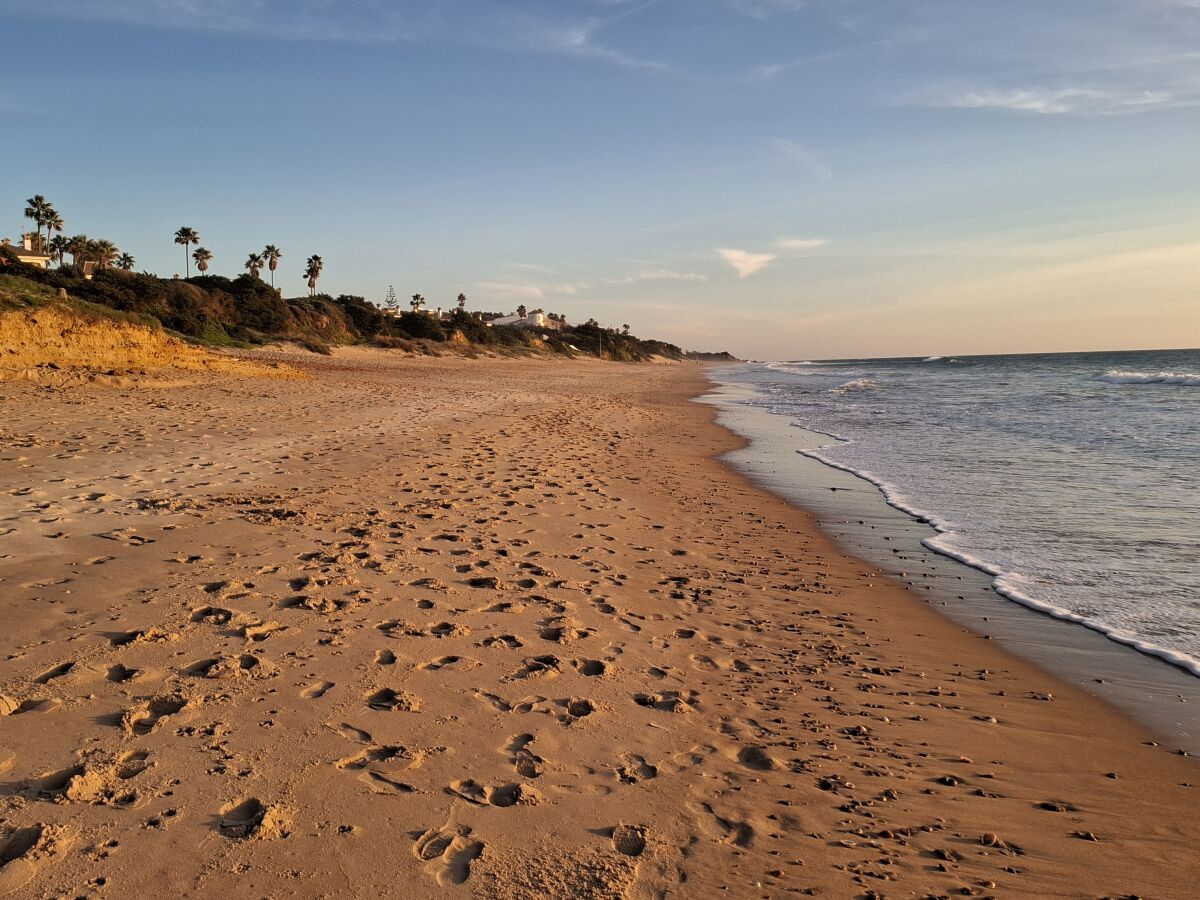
x,y
1072,479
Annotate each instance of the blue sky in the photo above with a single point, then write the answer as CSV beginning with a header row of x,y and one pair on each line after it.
x,y
782,178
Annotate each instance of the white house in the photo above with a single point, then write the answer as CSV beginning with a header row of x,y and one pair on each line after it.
x,y
26,254
534,319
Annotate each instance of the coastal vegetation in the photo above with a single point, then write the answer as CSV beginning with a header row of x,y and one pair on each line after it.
x,y
244,311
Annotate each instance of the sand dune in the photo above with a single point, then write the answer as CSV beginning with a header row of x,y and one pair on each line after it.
x,y
504,629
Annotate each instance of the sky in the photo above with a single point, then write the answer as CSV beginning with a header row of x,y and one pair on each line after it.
x,y
783,179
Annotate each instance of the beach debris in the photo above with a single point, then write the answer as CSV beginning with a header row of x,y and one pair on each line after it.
x,y
1056,806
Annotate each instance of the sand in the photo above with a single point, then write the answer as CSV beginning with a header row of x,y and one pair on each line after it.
x,y
60,346
495,628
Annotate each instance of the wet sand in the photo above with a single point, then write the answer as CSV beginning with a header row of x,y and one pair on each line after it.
x,y
507,629
853,511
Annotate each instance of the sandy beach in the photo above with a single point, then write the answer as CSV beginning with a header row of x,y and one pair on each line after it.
x,y
506,628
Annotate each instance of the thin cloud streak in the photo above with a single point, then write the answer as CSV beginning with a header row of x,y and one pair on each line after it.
x,y
1076,101
800,243
808,160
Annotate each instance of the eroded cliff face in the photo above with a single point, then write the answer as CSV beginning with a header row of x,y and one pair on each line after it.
x,y
56,343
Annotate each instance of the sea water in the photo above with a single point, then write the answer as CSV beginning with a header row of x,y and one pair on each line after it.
x,y
1073,479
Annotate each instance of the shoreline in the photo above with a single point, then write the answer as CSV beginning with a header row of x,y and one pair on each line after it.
x,y
504,629
1152,688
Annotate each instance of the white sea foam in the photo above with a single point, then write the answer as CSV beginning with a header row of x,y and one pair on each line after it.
x,y
1004,583
858,384
1084,517
1188,379
933,359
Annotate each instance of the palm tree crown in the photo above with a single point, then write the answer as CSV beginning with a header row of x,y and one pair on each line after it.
x,y
54,222
60,246
272,255
254,263
125,261
77,246
202,258
187,236
41,211
104,253
313,272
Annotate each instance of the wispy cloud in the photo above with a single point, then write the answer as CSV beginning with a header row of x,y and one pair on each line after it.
x,y
507,290
659,275
495,25
579,39
1077,101
521,291
744,262
800,244
764,9
808,160
532,267
302,20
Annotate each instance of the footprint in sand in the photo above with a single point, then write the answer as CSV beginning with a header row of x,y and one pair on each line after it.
x,y
527,763
351,733
459,663
24,850
57,672
259,632
378,783
538,667
390,700
146,717
629,839
502,641
668,701
143,636
243,666
120,673
634,768
98,780
252,819
503,796
447,852
212,615
590,667
316,690
728,830
126,536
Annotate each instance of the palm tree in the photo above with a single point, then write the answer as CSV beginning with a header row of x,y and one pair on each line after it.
x,y
202,258
416,302
105,253
188,236
522,311
272,255
313,272
77,246
125,261
60,246
38,209
54,222
462,301
254,264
